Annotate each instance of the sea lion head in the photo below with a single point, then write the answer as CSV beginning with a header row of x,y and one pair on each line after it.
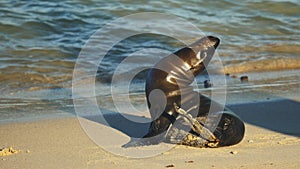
x,y
204,50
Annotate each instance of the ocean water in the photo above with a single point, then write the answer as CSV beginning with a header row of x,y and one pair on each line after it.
x,y
41,41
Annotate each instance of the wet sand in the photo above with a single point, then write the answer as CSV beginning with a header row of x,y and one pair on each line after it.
x,y
271,141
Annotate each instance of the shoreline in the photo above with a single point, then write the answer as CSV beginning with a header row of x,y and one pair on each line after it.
x,y
62,143
232,103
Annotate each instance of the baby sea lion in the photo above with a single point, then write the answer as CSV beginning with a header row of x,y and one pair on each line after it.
x,y
181,115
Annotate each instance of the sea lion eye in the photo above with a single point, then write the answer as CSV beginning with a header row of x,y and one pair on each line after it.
x,y
203,55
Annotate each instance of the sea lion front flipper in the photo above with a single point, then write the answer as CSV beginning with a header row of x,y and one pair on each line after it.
x,y
135,142
156,134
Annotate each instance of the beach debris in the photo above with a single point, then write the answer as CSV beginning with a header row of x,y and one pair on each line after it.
x,y
244,79
227,74
207,84
233,152
189,161
233,76
27,151
170,165
8,151
165,153
250,141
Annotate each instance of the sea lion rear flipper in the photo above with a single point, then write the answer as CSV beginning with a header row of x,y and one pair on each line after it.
x,y
230,129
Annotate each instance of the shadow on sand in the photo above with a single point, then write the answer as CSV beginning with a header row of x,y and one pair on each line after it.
x,y
279,116
125,125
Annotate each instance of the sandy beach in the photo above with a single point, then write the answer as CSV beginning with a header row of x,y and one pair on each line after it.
x,y
271,141
68,58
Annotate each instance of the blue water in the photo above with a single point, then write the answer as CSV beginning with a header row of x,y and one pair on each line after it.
x,y
41,40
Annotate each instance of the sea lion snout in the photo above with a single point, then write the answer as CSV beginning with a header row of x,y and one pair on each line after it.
x,y
205,43
214,40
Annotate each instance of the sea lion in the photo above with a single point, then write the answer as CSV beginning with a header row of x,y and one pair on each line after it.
x,y
180,114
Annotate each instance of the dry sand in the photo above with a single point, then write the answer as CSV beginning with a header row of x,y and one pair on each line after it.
x,y
271,141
